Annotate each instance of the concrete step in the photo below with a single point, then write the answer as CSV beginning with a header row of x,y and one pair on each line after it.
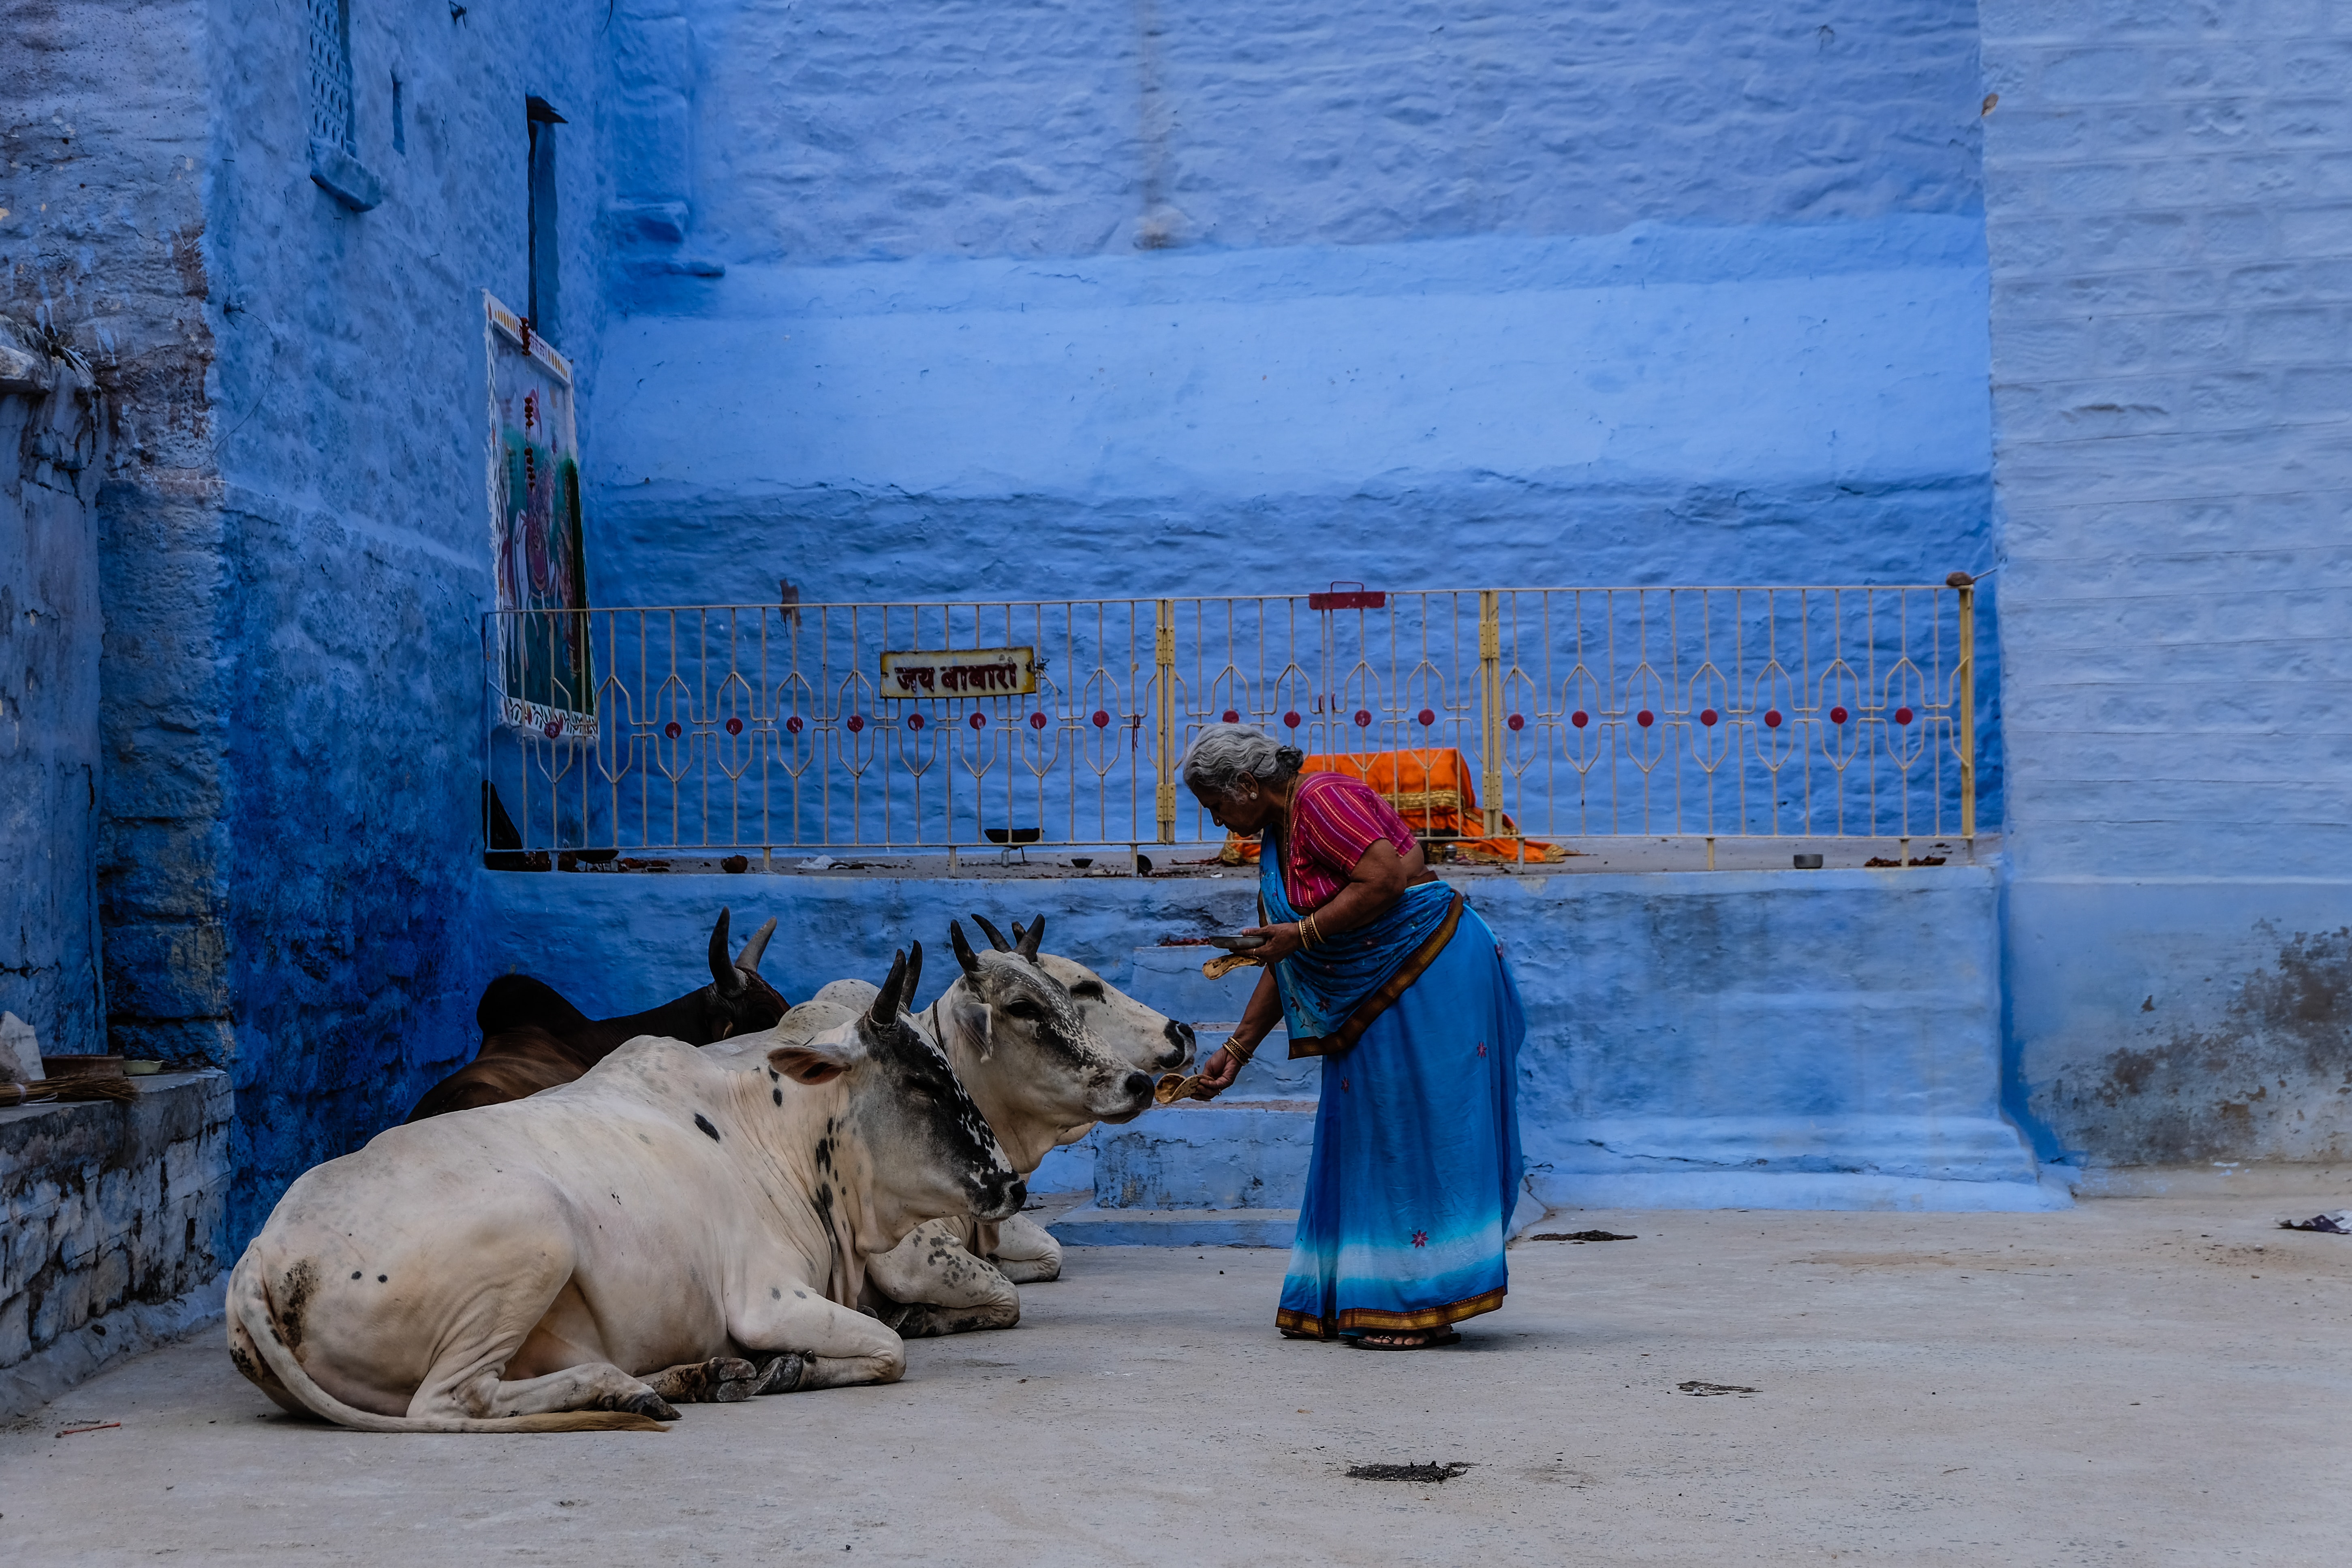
x,y
1090,1225
1271,1081
1245,1155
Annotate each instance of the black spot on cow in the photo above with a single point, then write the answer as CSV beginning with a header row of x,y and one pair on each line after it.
x,y
382,1278
779,1094
774,1294
356,1273
1092,990
301,1283
775,1077
704,1122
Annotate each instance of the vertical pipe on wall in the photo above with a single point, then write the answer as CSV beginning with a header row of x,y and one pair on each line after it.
x,y
1967,674
1163,682
1490,708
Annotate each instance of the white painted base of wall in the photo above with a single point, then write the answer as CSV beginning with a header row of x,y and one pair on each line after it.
x,y
130,1331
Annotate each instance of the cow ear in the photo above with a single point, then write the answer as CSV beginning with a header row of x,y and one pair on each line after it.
x,y
979,1025
810,1063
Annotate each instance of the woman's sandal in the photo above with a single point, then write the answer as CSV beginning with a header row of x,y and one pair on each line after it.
x,y
1440,1337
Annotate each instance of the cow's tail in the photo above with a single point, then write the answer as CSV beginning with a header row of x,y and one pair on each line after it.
x,y
248,1307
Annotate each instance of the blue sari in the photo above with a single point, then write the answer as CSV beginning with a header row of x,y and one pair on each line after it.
x,y
1416,1162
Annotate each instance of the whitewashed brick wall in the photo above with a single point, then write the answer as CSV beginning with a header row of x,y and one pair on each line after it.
x,y
2168,189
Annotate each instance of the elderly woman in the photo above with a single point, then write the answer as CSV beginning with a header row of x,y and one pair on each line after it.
x,y
1386,974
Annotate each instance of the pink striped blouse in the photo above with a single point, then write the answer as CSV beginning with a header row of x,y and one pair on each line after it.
x,y
1333,820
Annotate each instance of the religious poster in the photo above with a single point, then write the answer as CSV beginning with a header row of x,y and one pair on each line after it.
x,y
545,682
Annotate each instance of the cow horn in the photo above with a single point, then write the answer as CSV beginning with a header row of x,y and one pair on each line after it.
x,y
1031,938
758,944
884,1010
995,937
723,973
964,954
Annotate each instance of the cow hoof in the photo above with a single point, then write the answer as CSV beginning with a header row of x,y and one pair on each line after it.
x,y
720,1381
781,1376
649,1403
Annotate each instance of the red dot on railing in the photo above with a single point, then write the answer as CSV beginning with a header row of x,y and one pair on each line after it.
x,y
1232,717
1036,720
1708,716
554,726
1837,715
673,729
914,721
979,721
1902,715
1771,718
1645,718
858,722
734,726
1290,719
1363,718
1102,720
1517,720
1426,717
792,724
1580,718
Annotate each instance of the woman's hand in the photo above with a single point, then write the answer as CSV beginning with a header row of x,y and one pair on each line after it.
x,y
1219,1075
1281,942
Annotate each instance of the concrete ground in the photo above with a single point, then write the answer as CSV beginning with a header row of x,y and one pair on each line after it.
x,y
2136,1381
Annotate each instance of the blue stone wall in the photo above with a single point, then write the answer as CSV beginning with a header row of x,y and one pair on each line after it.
x,y
50,438
353,541
1274,295
1768,1039
2170,213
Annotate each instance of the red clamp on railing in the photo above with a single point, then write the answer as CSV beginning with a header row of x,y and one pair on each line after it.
x,y
1346,596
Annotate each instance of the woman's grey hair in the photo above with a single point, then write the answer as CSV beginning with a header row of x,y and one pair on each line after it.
x,y
1222,755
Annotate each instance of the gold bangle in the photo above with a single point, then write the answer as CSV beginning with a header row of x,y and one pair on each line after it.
x,y
1315,928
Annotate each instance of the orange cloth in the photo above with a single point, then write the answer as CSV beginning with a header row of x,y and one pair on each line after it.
x,y
1430,788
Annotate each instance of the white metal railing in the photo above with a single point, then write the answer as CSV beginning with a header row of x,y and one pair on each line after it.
x,y
1544,713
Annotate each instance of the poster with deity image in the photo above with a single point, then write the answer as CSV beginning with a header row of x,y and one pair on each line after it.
x,y
545,681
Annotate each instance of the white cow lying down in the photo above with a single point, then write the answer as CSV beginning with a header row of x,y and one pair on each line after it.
x,y
1028,1033
523,1267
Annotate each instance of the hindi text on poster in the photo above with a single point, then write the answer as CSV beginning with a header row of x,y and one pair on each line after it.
x,y
960,672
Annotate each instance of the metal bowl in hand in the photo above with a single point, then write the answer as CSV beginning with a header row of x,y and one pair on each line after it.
x,y
1238,942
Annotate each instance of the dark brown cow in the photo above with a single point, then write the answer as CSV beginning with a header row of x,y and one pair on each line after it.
x,y
533,1040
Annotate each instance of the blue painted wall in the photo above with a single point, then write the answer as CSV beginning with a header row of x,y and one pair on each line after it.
x,y
1772,1039
350,373
51,439
2172,295
1276,295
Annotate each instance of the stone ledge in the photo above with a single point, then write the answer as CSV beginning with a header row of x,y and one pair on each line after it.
x,y
1089,1224
134,1330
112,1223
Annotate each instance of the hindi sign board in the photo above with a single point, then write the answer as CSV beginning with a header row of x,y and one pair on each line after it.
x,y
960,672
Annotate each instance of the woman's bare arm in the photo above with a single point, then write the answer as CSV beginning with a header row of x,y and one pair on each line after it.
x,y
1379,879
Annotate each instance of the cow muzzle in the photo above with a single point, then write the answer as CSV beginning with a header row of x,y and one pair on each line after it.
x,y
1133,1098
998,1198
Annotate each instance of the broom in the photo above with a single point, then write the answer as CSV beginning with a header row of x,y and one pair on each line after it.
x,y
92,1086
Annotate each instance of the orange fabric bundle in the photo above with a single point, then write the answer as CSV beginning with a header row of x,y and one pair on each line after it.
x,y
1430,788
